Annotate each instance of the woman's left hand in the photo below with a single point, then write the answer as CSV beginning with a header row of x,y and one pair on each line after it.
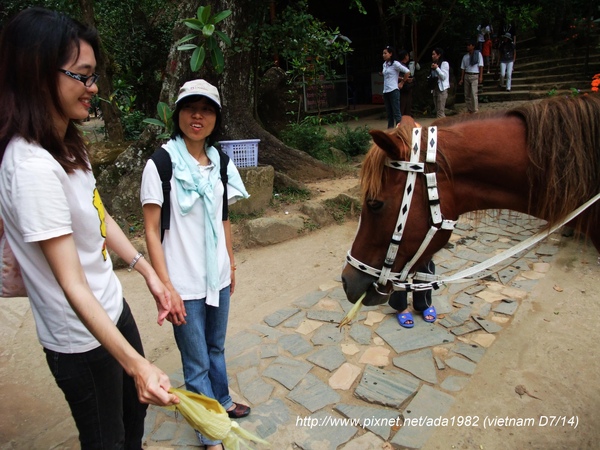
x,y
232,286
161,295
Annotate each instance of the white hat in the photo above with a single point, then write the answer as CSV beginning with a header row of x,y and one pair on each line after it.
x,y
507,36
199,87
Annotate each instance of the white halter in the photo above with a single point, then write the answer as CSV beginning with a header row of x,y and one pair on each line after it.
x,y
413,167
398,280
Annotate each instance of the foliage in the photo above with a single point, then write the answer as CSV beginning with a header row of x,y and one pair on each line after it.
x,y
573,92
309,138
165,120
342,207
353,142
289,195
312,52
131,118
204,23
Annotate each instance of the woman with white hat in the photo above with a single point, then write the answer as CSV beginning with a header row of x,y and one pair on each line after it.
x,y
507,60
194,257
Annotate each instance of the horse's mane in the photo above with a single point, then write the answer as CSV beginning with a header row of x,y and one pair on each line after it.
x,y
563,140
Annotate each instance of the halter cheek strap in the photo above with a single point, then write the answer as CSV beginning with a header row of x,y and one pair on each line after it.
x,y
413,167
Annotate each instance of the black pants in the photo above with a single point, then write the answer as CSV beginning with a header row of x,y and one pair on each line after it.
x,y
421,299
102,397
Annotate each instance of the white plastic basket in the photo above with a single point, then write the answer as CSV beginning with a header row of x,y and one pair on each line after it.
x,y
244,153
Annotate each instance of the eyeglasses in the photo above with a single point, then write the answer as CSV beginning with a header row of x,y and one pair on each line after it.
x,y
87,81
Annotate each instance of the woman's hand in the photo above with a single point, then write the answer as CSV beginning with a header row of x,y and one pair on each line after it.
x,y
162,296
177,314
152,384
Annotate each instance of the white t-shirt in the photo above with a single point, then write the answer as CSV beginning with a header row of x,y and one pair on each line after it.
x,y
41,201
184,242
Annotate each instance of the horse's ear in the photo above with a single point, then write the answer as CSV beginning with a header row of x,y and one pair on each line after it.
x,y
387,143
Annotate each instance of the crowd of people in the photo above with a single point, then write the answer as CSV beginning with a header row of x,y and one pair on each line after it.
x,y
484,53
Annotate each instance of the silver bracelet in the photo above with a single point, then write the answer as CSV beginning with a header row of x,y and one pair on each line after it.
x,y
134,261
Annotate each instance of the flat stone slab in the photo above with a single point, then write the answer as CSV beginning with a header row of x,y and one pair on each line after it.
x,y
327,334
507,307
420,364
490,327
325,316
326,434
456,319
248,359
239,343
269,351
386,387
471,351
287,371
313,394
253,387
454,383
378,420
329,358
421,336
267,332
461,364
279,316
468,327
266,418
295,321
361,333
344,377
429,403
295,344
375,356
309,299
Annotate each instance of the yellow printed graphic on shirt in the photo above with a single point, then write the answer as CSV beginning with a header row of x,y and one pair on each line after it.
x,y
102,216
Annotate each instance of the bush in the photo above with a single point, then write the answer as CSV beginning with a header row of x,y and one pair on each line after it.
x,y
309,138
352,142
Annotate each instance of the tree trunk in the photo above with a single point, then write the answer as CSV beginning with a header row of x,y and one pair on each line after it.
x,y
120,184
110,113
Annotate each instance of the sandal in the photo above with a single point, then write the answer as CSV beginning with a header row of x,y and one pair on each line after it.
x,y
431,313
406,320
239,411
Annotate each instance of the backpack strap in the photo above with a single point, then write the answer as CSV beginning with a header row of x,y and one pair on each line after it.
x,y
224,161
162,160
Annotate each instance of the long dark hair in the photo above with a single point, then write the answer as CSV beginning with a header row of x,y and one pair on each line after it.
x,y
34,45
439,51
392,51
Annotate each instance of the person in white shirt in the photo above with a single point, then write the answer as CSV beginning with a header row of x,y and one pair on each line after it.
x,y
195,258
471,74
392,83
60,233
440,72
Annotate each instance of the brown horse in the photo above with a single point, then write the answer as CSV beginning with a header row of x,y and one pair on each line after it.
x,y
541,159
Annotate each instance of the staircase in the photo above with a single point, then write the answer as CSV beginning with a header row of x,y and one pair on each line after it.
x,y
540,70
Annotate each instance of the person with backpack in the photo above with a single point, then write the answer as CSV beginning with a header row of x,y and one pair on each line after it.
x,y
60,233
508,55
471,76
189,240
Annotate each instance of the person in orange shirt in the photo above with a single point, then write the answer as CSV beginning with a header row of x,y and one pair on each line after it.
x,y
486,52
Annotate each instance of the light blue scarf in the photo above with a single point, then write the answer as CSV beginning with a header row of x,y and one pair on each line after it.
x,y
191,186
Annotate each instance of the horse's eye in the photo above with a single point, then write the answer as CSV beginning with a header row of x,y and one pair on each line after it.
x,y
374,205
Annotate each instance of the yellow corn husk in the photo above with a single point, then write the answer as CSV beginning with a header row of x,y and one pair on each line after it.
x,y
209,417
353,312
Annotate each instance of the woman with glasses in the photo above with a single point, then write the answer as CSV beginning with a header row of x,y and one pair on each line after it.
x,y
60,233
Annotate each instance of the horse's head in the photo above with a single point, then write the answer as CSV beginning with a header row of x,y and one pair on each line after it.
x,y
383,190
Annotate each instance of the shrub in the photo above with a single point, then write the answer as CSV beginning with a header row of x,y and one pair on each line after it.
x,y
353,142
309,138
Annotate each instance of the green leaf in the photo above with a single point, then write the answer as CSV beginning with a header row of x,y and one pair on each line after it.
x,y
221,16
186,38
154,122
223,37
204,15
164,112
185,47
208,30
218,60
194,24
197,59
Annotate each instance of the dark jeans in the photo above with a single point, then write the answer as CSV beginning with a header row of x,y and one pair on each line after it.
x,y
102,397
421,299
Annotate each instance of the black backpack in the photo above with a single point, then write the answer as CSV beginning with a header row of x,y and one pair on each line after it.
x,y
162,160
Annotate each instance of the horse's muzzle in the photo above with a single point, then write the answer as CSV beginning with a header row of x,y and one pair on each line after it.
x,y
356,283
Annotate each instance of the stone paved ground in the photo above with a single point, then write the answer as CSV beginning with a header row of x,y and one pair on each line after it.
x,y
314,387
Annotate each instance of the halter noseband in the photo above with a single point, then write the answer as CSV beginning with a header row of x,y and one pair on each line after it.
x,y
413,167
